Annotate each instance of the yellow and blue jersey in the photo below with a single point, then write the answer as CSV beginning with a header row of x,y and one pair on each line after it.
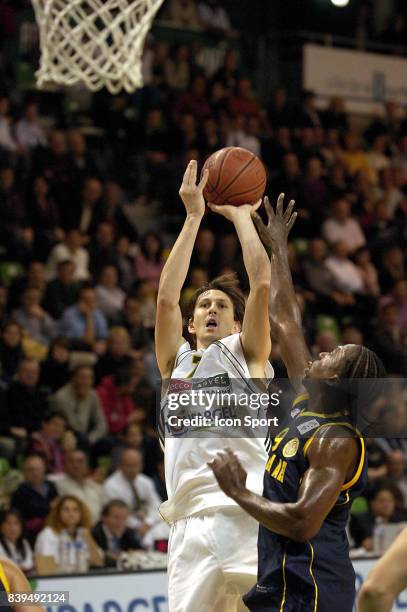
x,y
317,575
4,587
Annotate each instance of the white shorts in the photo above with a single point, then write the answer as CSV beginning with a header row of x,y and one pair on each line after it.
x,y
212,561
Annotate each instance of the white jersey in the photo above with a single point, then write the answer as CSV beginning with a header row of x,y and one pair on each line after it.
x,y
191,485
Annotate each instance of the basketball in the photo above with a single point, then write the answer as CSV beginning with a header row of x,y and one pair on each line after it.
x,y
236,176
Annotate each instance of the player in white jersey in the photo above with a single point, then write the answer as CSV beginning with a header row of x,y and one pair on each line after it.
x,y
212,546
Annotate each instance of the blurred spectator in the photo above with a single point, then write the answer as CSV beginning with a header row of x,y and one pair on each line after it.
x,y
308,116
279,112
110,298
33,319
131,438
335,116
149,263
90,211
352,335
63,291
7,140
82,161
124,263
367,271
325,342
26,401
228,73
289,179
55,368
382,510
213,17
118,355
29,133
102,251
183,13
340,226
346,275
80,404
396,463
194,100
85,324
240,135
204,255
177,68
390,342
392,268
52,441
43,216
13,545
68,517
132,319
34,277
113,212
11,349
377,158
353,156
243,101
112,535
33,497
75,481
69,250
138,491
398,297
115,394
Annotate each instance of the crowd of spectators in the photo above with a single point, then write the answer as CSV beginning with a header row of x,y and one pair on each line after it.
x,y
79,277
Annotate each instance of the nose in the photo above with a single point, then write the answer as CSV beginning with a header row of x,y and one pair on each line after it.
x,y
212,309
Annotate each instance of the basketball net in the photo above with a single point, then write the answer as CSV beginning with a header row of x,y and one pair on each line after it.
x,y
97,42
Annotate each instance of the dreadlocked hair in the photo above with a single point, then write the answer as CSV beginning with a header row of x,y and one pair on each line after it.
x,y
229,284
363,363
362,377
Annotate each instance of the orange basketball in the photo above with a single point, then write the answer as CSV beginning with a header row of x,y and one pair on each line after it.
x,y
236,176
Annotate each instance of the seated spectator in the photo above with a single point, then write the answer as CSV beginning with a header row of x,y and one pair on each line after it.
x,y
53,441
382,510
307,115
396,463
289,179
13,545
197,277
7,140
389,341
325,342
178,69
118,355
367,271
114,214
138,491
33,277
213,17
353,156
110,298
240,135
13,214
43,216
341,226
278,111
84,323
194,100
11,349
203,255
75,481
345,273
55,369
68,517
149,263
79,402
115,394
377,158
112,535
392,268
335,116
36,322
352,335
29,133
102,250
125,263
132,320
314,190
131,438
243,101
26,402
184,14
33,497
147,296
83,160
398,297
90,210
63,291
70,249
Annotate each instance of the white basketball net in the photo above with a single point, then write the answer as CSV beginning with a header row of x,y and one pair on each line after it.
x,y
98,42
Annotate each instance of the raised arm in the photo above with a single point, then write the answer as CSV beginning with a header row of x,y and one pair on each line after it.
x,y
256,327
331,463
168,329
285,314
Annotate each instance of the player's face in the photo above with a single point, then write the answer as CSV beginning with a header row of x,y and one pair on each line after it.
x,y
213,318
328,365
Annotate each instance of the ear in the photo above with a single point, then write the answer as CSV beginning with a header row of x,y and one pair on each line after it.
x,y
191,326
237,327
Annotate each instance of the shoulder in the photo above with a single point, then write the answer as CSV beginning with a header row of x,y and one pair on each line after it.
x,y
332,444
144,480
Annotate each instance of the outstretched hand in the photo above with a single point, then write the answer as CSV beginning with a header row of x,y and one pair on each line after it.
x,y
279,223
191,193
229,473
233,212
